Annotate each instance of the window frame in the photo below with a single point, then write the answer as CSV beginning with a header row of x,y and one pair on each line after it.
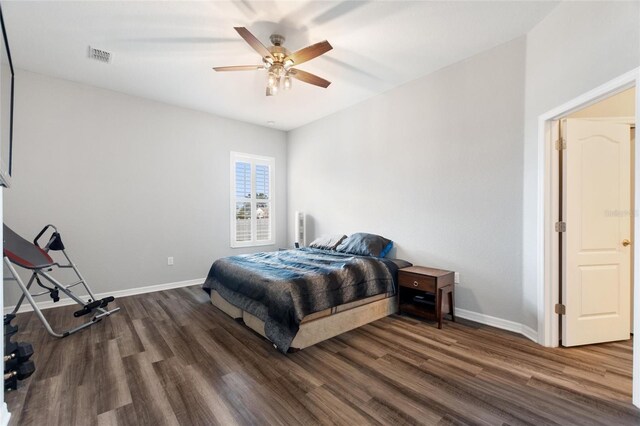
x,y
253,160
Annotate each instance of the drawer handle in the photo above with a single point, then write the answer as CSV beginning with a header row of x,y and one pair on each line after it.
x,y
415,284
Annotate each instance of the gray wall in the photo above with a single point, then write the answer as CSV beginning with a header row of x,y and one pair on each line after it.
x,y
128,181
435,165
445,165
577,47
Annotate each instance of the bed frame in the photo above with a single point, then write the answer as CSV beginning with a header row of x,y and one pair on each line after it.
x,y
321,325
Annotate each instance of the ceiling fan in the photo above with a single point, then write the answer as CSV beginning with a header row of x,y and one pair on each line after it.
x,y
279,61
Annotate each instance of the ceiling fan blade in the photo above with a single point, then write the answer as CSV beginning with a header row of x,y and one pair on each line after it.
x,y
253,42
240,68
310,52
307,77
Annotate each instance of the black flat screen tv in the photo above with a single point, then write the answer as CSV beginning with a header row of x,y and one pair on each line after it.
x,y
6,108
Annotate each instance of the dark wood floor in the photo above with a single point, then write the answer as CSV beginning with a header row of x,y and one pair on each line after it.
x,y
172,358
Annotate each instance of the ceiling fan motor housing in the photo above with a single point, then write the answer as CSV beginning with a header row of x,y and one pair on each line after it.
x,y
277,39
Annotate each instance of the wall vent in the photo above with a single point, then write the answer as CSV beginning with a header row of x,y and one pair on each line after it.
x,y
99,55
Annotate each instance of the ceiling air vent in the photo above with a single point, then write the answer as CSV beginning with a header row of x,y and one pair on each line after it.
x,y
99,55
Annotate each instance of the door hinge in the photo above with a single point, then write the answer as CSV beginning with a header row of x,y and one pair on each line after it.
x,y
561,144
561,309
561,226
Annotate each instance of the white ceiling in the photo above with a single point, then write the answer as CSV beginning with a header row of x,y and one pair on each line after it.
x,y
165,50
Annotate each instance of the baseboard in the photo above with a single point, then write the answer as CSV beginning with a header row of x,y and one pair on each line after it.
x,y
47,304
504,324
5,415
529,333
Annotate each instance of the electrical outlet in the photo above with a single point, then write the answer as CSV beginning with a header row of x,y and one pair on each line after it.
x,y
456,277
170,261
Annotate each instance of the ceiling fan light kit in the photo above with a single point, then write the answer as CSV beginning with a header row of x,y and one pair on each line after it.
x,y
279,62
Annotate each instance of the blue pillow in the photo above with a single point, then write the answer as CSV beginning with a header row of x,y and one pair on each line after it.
x,y
385,251
364,244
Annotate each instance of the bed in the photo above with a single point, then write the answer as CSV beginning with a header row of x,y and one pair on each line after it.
x,y
297,298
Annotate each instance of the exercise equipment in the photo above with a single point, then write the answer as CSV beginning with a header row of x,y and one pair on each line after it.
x,y
20,352
30,256
17,365
21,372
9,331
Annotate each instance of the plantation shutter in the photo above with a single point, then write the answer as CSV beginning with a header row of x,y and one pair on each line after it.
x,y
252,218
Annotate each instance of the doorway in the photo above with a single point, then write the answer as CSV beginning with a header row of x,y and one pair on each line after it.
x,y
596,217
548,245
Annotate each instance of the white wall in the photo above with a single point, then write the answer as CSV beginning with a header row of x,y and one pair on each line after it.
x,y
577,47
434,165
128,181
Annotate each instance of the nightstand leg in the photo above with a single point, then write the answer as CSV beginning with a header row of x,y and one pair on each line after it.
x,y
451,311
439,307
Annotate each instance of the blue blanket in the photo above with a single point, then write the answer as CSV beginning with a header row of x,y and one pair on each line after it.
x,y
283,287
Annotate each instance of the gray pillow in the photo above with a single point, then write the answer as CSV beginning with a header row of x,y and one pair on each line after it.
x,y
327,242
364,244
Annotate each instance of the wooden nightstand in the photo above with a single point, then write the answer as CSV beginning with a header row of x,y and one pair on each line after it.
x,y
422,292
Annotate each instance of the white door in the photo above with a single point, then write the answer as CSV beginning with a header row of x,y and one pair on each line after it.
x,y
597,203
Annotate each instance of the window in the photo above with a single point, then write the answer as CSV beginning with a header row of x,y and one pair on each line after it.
x,y
252,202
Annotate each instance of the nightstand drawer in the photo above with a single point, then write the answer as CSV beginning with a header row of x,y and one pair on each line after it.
x,y
416,281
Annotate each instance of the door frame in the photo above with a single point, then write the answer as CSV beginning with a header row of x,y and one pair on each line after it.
x,y
548,250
